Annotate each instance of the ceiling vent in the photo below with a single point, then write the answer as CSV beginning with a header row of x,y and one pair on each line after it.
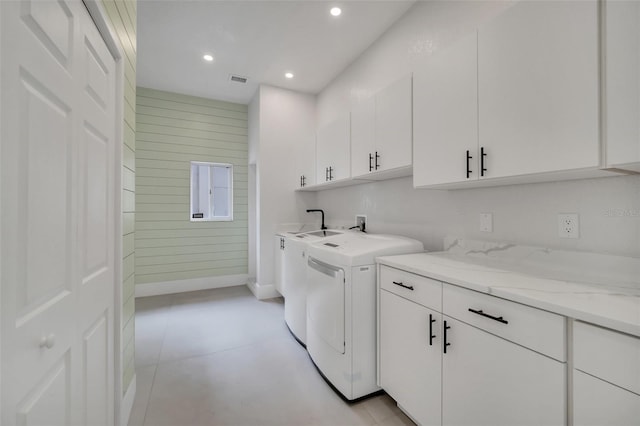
x,y
238,79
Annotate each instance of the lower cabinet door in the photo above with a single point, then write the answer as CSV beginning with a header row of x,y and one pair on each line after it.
x,y
598,403
490,381
410,367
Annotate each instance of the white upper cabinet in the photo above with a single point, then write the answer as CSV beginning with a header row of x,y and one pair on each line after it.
x,y
362,137
538,88
622,84
333,151
393,133
306,161
445,116
516,102
381,133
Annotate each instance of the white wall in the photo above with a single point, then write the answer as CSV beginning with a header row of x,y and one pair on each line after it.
x,y
609,208
284,120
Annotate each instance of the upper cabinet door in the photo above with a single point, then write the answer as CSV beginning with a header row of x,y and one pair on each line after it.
x,y
538,88
333,151
445,116
362,138
393,129
622,84
306,161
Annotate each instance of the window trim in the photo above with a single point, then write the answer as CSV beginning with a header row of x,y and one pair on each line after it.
x,y
227,218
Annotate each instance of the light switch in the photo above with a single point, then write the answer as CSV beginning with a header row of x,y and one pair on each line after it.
x,y
486,222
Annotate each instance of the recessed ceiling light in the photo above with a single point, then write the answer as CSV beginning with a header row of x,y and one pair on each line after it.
x,y
335,11
288,75
208,58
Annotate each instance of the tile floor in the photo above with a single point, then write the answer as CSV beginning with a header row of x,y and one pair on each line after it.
x,y
222,357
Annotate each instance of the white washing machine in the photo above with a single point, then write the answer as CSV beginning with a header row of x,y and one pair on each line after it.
x,y
341,307
295,277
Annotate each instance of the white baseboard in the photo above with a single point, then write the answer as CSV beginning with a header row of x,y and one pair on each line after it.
x,y
264,291
181,286
127,402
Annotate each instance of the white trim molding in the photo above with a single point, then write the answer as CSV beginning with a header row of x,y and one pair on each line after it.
x,y
182,286
262,291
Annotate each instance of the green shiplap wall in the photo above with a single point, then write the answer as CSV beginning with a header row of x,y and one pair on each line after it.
x,y
172,131
122,14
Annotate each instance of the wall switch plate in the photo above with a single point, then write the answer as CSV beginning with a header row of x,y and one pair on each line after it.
x,y
568,225
486,222
361,221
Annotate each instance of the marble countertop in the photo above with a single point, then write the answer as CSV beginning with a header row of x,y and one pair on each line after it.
x,y
595,288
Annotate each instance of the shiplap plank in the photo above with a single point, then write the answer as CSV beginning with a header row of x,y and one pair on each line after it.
x,y
128,179
180,165
212,155
227,138
191,266
179,217
189,241
190,258
176,208
129,23
179,189
128,267
177,225
165,174
128,332
181,233
145,183
129,372
128,223
214,272
129,158
195,101
128,201
223,147
149,111
129,287
191,125
180,250
128,244
130,115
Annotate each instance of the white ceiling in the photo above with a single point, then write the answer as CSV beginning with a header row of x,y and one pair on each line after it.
x,y
260,40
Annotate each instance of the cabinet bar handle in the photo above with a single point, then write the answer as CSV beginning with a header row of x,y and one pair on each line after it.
x,y
304,180
301,185
468,170
370,162
326,174
330,173
483,314
431,335
377,156
482,155
410,287
444,339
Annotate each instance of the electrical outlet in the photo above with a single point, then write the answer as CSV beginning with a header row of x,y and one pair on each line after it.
x,y
486,222
361,221
568,225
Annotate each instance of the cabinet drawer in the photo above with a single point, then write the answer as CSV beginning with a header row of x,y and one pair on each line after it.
x,y
533,328
419,289
607,354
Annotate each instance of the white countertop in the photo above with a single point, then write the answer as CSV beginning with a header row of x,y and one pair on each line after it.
x,y
600,289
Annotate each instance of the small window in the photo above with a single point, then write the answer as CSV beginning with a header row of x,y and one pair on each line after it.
x,y
211,191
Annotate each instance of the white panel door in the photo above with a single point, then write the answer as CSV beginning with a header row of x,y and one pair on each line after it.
x,y
490,381
393,130
58,120
622,84
598,403
411,360
445,116
538,69
363,138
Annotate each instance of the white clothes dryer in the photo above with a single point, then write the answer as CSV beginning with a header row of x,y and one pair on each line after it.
x,y
295,279
341,307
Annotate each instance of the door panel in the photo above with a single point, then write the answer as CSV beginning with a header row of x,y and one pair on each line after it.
x,y
48,402
325,304
58,217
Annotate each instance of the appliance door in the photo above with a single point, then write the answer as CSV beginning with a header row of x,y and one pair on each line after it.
x,y
325,302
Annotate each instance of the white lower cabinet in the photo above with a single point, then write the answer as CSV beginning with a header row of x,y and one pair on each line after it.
x,y
606,377
410,360
487,380
447,355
